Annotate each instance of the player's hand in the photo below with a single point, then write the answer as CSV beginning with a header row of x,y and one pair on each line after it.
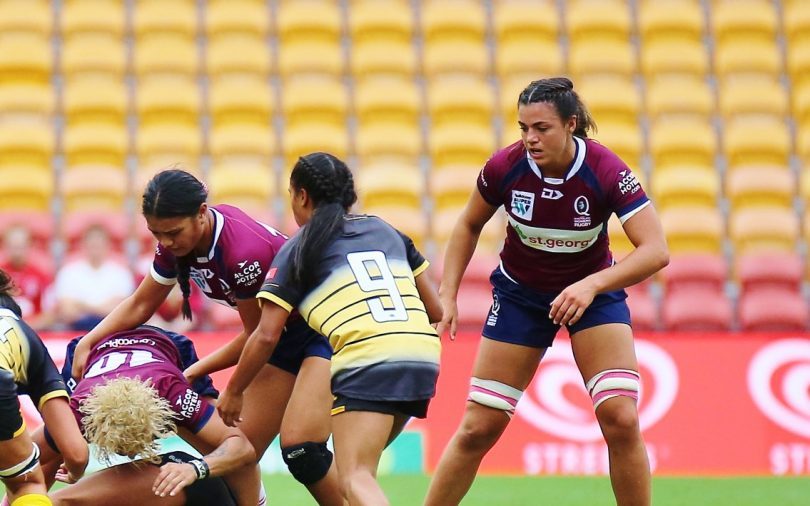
x,y
229,407
190,375
65,476
567,308
173,478
80,354
449,321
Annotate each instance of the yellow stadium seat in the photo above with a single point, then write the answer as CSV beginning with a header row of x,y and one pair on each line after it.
x,y
94,189
490,240
460,144
235,54
383,58
455,57
249,187
27,98
314,101
372,22
620,244
757,140
26,144
166,54
693,186
25,58
763,228
301,139
525,21
160,17
682,141
240,99
509,90
94,100
760,186
167,100
801,103
748,20
167,144
80,17
245,17
679,95
33,17
747,57
26,188
407,219
691,229
451,187
387,100
803,143
521,56
607,56
796,22
752,96
598,21
624,139
666,56
310,57
101,144
460,100
612,99
249,140
798,62
657,22
379,188
384,140
296,23
449,20
87,54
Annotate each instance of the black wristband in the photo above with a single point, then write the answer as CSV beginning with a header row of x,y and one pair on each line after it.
x,y
200,467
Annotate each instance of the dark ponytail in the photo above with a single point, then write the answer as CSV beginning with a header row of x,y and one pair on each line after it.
x,y
6,289
330,185
170,194
560,92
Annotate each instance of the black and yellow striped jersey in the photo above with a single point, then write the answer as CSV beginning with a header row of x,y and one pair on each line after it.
x,y
24,355
364,300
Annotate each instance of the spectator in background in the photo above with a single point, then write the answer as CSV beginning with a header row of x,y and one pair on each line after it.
x,y
30,277
91,285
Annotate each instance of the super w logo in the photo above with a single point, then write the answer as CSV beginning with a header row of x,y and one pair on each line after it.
x,y
522,204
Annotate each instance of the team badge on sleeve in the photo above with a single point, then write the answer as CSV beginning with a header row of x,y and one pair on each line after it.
x,y
522,204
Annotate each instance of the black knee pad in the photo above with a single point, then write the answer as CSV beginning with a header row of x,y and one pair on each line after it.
x,y
308,462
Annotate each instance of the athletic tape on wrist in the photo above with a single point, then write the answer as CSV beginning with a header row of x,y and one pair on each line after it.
x,y
201,468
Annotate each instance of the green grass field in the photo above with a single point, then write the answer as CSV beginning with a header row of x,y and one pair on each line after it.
x,y
407,490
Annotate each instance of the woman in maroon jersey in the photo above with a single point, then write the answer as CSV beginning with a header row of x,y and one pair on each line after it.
x,y
558,188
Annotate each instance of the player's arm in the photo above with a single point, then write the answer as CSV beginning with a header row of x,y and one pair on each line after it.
x,y
232,452
429,296
131,312
257,351
65,435
459,251
228,355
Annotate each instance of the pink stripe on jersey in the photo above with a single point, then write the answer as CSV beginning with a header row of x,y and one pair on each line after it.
x,y
510,400
613,393
614,374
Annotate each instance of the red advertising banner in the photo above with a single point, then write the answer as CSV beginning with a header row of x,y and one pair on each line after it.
x,y
716,404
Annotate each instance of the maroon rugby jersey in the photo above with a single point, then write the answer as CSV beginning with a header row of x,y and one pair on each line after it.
x,y
237,262
557,230
147,354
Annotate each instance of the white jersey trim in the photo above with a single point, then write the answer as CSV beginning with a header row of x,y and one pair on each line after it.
x,y
556,240
503,271
219,222
579,158
632,213
4,311
163,280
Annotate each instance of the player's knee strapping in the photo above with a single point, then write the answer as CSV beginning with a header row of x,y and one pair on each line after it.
x,y
613,383
308,462
494,394
26,466
32,500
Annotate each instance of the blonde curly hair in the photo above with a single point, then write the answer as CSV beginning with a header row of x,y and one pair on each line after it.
x,y
126,416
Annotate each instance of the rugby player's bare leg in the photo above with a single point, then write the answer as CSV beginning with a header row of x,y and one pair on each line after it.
x,y
481,426
308,419
598,349
124,485
360,438
265,401
13,452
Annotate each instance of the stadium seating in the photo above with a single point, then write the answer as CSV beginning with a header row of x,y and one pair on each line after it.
x,y
91,188
40,225
25,58
461,101
696,309
688,271
95,100
453,33
25,188
770,269
770,309
657,22
526,39
679,95
753,186
752,96
80,17
238,54
676,186
174,55
92,143
241,141
242,17
248,187
381,36
763,228
674,57
391,185
97,55
744,141
682,141
451,187
152,18
693,229
643,308
240,99
33,99
611,100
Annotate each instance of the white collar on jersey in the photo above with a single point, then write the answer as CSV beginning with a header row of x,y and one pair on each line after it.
x,y
579,157
219,222
4,311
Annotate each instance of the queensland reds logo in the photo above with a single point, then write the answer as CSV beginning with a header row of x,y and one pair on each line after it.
x,y
779,383
548,405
